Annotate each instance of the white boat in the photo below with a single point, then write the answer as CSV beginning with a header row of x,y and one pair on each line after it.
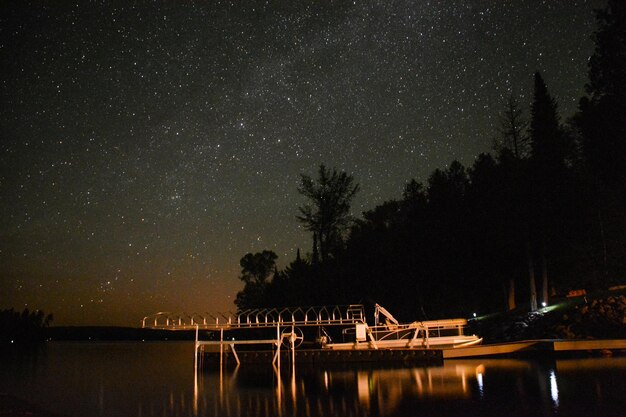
x,y
437,334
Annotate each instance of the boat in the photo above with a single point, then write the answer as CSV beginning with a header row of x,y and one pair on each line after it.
x,y
391,334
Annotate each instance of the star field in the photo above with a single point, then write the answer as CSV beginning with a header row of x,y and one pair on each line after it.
x,y
146,147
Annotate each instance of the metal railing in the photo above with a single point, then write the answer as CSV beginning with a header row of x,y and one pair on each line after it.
x,y
258,318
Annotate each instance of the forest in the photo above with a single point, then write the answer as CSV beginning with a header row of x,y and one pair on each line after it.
x,y
544,213
26,327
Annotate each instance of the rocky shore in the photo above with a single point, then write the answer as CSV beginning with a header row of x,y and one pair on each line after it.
x,y
582,318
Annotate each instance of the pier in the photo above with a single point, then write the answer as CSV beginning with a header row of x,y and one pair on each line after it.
x,y
313,357
542,347
282,334
340,334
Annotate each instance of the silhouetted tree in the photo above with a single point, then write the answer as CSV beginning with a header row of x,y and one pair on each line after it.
x,y
602,126
255,271
258,267
445,238
548,164
474,238
512,129
605,140
327,214
548,143
490,234
298,280
25,327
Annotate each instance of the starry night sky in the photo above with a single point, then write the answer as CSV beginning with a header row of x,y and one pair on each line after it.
x,y
146,147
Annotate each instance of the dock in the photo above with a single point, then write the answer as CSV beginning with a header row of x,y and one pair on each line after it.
x,y
274,336
313,357
542,347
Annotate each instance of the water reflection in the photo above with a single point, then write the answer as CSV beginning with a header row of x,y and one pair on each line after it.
x,y
313,392
149,380
491,387
554,389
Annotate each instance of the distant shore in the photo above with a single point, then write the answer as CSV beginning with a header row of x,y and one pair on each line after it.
x,y
594,316
114,333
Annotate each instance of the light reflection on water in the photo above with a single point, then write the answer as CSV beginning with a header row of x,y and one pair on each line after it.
x,y
157,379
554,389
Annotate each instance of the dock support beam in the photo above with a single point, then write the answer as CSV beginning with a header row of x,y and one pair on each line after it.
x,y
195,356
221,347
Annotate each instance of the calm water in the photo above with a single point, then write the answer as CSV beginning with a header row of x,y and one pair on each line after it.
x,y
157,379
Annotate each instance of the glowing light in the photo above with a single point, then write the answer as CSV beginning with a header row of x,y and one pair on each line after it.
x,y
543,304
480,370
474,314
554,389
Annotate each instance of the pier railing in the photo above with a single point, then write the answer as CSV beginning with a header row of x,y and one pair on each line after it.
x,y
258,318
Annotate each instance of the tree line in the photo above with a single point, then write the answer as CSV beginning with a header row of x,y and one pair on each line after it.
x,y
23,327
542,214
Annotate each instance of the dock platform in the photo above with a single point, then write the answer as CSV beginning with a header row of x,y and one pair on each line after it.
x,y
328,356
536,347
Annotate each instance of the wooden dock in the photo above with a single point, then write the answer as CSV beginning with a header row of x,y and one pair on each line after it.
x,y
536,348
525,348
328,356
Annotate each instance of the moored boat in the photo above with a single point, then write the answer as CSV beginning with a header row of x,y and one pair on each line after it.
x,y
391,334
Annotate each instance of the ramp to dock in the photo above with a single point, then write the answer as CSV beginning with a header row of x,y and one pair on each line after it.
x,y
552,347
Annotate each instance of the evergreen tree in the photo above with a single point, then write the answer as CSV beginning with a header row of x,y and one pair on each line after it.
x,y
547,148
602,126
548,162
603,123
607,68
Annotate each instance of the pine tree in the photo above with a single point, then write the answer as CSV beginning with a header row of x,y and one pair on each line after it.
x,y
546,137
602,120
602,124
548,156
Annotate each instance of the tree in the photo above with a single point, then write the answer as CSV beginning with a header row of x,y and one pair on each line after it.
x,y
258,267
494,212
25,327
547,159
298,276
549,177
328,213
512,127
446,189
607,67
602,126
255,271
545,133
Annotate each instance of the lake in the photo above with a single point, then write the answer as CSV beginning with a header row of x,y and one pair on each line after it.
x,y
157,379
